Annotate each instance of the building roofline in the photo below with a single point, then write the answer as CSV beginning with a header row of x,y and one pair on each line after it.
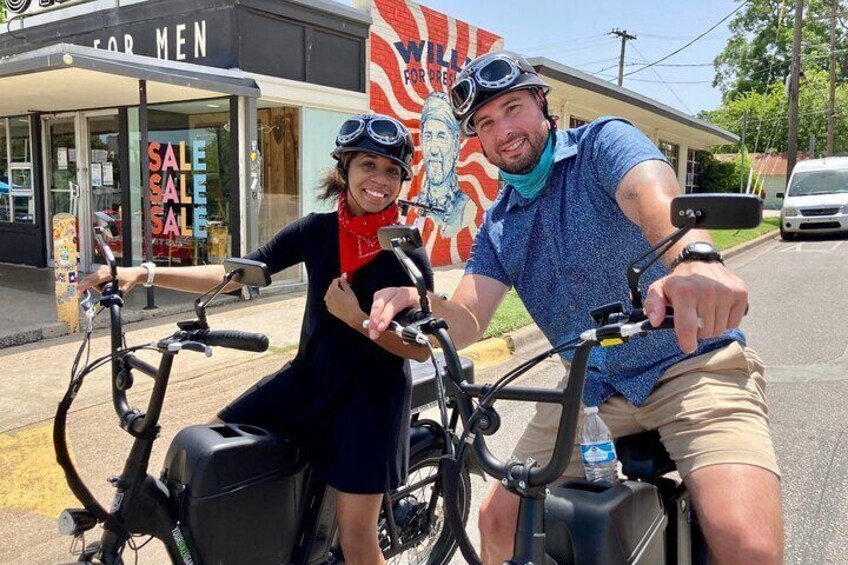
x,y
574,77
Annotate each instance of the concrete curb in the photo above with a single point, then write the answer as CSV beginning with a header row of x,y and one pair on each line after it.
x,y
494,350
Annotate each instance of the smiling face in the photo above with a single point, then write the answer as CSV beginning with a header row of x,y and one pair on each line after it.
x,y
513,130
439,146
373,183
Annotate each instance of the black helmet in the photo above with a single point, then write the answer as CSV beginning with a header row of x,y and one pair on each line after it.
x,y
487,77
377,134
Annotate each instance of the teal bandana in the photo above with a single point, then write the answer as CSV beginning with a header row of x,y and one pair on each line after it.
x,y
530,184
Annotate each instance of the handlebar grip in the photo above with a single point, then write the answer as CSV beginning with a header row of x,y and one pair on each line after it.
x,y
234,339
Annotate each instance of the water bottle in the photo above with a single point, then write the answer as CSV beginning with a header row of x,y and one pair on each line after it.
x,y
597,448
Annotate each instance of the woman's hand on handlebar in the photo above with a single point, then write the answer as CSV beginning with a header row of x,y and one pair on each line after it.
x,y
388,303
128,277
707,299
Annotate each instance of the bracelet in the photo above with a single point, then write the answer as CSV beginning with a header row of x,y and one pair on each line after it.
x,y
151,273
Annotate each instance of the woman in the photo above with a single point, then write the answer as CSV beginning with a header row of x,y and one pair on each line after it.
x,y
345,397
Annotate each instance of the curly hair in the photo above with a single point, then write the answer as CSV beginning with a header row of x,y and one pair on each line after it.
x,y
334,181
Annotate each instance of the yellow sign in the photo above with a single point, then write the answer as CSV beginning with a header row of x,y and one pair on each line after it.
x,y
66,258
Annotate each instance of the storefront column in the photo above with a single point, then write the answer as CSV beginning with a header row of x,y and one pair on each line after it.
x,y
249,197
145,184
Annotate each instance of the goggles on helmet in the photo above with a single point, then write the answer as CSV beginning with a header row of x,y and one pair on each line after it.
x,y
382,129
377,134
496,73
487,77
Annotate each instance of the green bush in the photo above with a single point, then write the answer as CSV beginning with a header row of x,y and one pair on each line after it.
x,y
723,176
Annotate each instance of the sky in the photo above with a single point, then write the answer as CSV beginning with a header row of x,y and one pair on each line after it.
x,y
574,33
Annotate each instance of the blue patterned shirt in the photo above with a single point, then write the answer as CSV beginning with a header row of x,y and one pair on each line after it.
x,y
566,252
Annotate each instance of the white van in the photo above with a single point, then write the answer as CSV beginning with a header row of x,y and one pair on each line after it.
x,y
816,200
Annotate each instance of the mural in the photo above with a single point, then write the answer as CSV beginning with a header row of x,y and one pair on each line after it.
x,y
416,53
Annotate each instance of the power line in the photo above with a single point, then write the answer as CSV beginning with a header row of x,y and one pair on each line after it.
x,y
743,4
688,109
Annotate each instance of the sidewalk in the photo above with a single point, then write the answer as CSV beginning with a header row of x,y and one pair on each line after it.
x,y
28,311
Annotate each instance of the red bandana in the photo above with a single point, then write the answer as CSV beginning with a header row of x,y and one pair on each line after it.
x,y
358,243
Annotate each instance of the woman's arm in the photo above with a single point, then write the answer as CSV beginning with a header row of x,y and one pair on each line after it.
x,y
343,304
188,279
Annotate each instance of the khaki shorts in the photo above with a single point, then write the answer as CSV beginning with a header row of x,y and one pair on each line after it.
x,y
709,410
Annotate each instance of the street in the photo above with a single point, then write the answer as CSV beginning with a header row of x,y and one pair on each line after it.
x,y
798,298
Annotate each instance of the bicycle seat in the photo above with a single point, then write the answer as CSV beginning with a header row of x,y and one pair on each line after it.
x,y
643,456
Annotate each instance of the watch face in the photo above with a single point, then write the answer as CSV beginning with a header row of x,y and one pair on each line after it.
x,y
701,248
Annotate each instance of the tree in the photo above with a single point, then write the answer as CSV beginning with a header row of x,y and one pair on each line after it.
x,y
759,52
767,115
2,12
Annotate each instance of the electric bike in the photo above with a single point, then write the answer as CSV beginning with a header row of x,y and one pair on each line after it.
x,y
645,518
231,493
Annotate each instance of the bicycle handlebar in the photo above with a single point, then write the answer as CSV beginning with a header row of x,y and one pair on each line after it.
x,y
231,339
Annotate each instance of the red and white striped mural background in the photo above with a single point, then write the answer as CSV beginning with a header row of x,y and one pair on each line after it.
x,y
416,51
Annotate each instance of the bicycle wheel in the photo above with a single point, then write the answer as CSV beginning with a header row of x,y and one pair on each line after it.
x,y
435,543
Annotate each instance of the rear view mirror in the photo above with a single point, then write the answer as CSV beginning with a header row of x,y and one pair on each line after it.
x,y
408,236
109,228
717,211
779,195
248,272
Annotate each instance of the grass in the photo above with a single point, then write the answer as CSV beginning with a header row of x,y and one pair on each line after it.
x,y
512,314
725,239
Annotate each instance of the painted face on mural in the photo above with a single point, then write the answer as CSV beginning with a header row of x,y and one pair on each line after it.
x,y
440,147
513,131
373,183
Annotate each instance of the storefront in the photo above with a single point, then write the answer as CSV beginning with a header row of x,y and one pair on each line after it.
x,y
235,105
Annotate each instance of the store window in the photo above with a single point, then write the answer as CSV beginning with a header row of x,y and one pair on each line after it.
x,y
694,159
17,202
192,182
279,138
574,122
672,153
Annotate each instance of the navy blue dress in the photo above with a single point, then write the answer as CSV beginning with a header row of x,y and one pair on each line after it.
x,y
345,398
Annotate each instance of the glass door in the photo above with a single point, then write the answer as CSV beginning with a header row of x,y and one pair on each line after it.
x,y
82,175
60,163
102,151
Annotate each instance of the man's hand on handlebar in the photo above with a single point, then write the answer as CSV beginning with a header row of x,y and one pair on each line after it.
x,y
128,277
388,303
707,299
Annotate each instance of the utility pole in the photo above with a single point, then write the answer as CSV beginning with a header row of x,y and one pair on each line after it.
x,y
794,78
742,151
832,95
622,33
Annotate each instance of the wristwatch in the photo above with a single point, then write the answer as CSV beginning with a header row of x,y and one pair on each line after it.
x,y
698,251
151,273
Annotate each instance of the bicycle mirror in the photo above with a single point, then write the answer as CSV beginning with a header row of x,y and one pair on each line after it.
x,y
247,272
717,211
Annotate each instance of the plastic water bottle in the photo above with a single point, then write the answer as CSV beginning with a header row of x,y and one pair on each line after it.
x,y
597,448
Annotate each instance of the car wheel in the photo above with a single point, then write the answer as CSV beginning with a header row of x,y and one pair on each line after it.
x,y
786,236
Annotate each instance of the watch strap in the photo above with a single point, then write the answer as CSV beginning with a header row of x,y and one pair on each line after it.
x,y
151,273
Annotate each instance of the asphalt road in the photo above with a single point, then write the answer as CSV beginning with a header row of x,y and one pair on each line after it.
x,y
799,298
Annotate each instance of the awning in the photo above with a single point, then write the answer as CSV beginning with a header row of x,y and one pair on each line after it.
x,y
73,77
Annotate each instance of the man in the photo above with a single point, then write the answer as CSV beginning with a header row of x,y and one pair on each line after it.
x,y
578,206
440,149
